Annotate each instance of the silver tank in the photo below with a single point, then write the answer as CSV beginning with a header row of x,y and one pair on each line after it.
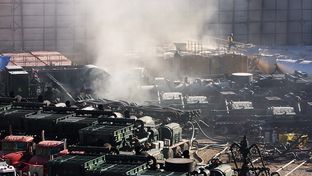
x,y
269,64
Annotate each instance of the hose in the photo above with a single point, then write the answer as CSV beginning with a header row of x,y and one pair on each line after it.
x,y
210,138
193,131
196,155
204,123
297,167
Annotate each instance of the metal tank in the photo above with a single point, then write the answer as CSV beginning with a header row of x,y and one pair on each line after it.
x,y
269,64
172,132
180,165
242,78
291,66
266,64
222,170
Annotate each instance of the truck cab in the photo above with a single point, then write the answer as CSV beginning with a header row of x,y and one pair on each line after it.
x,y
14,149
45,150
6,170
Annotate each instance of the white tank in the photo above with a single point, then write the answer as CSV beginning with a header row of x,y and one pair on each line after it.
x,y
242,78
269,64
290,66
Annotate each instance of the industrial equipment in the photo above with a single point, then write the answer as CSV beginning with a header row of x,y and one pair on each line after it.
x,y
16,81
73,165
243,156
180,165
7,170
123,165
115,132
14,119
174,145
35,123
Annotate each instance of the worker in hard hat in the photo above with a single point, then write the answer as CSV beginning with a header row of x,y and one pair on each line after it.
x,y
231,41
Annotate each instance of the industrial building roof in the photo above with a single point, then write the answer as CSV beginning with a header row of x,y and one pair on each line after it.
x,y
38,58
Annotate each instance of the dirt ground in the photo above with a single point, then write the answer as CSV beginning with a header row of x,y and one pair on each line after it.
x,y
304,170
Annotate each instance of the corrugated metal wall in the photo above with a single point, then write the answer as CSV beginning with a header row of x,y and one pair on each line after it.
x,y
49,25
61,25
266,22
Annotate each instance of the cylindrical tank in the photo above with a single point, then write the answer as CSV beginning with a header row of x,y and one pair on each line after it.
x,y
242,78
290,66
266,64
179,165
91,73
269,64
172,132
222,170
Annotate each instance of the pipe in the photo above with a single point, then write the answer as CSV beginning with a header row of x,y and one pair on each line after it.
x,y
202,131
65,144
283,167
144,139
255,160
223,151
193,132
204,123
54,80
42,135
10,130
294,169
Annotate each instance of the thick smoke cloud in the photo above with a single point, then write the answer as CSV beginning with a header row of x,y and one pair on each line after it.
x,y
123,27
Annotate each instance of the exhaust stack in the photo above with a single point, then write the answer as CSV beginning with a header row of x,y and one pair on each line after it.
x,y
42,135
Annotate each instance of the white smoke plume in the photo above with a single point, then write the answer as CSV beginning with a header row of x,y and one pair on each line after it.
x,y
120,27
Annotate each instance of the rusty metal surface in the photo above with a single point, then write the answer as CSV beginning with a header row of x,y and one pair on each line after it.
x,y
38,58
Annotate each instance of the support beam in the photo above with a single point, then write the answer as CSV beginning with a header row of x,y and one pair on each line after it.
x,y
21,3
55,25
261,22
287,23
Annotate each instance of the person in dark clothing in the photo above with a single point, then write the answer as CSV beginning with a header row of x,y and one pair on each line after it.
x,y
35,88
177,64
231,41
177,55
